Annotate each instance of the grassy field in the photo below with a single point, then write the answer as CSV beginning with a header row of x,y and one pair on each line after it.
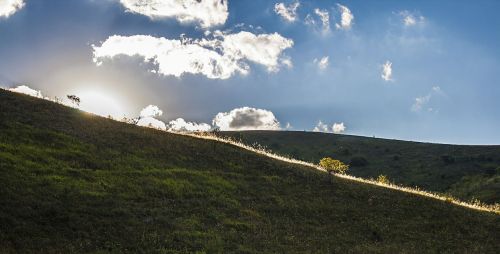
x,y
72,182
466,172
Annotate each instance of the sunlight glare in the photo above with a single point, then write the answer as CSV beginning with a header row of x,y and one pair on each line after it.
x,y
100,103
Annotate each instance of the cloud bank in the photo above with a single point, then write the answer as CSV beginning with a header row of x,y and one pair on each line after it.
x,y
207,13
180,125
26,90
217,58
246,118
287,13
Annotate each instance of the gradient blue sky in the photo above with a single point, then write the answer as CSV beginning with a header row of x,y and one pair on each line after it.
x,y
47,45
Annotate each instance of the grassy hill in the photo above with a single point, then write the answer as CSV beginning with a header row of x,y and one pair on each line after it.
x,y
466,172
72,182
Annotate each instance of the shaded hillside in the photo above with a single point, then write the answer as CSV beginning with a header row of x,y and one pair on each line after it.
x,y
74,182
465,172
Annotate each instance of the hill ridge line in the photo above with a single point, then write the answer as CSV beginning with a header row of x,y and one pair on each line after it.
x,y
475,205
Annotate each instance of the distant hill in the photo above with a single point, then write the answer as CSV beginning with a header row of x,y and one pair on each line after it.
x,y
72,182
466,172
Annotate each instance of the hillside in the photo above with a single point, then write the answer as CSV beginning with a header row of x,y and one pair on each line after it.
x,y
466,172
72,182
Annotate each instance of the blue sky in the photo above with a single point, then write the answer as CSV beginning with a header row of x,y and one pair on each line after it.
x,y
444,85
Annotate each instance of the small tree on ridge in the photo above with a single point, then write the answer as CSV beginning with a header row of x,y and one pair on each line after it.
x,y
333,166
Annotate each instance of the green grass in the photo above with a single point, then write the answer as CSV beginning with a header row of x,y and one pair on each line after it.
x,y
465,172
76,183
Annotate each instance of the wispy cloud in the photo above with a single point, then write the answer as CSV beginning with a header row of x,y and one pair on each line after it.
x,y
207,12
9,7
422,101
217,58
287,13
323,22
246,118
322,63
411,18
346,18
387,71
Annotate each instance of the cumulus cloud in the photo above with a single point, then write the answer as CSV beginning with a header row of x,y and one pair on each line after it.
x,y
26,90
152,123
151,111
181,125
321,127
207,12
322,63
246,118
346,18
9,7
421,102
217,58
411,19
288,13
387,71
147,118
338,128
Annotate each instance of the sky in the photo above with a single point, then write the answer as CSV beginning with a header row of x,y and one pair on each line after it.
x,y
412,70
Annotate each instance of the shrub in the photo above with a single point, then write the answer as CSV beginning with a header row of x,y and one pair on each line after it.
x,y
383,179
358,161
333,166
448,159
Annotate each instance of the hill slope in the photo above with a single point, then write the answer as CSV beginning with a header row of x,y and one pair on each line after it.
x,y
466,172
74,182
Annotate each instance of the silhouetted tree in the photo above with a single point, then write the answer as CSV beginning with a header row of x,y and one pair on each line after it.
x,y
75,99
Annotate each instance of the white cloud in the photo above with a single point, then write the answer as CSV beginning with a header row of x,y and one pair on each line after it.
x,y
322,63
207,12
246,118
9,7
152,122
147,118
421,102
217,58
411,19
288,13
346,18
324,16
387,71
338,128
181,125
151,111
26,90
321,127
